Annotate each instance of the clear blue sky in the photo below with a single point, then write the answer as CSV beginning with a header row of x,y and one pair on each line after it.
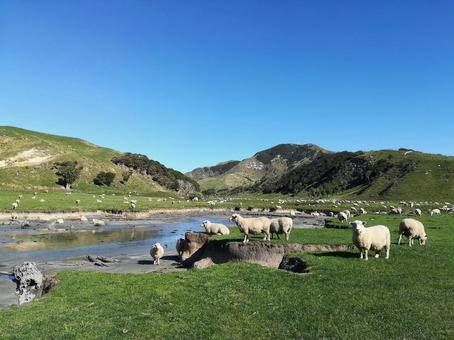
x,y
193,83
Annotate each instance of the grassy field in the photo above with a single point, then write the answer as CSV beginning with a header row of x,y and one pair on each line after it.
x,y
58,201
410,296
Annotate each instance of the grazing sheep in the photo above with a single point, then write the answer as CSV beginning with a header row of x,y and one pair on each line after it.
x,y
418,212
374,238
254,225
347,212
315,213
60,221
435,212
412,229
362,211
342,216
14,206
395,211
281,225
215,228
98,201
133,206
156,252
83,218
77,202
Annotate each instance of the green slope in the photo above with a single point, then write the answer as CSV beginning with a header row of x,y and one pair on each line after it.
x,y
385,174
27,157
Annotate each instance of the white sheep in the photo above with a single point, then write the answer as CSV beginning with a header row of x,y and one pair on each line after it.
x,y
418,212
281,225
254,225
133,206
156,252
215,228
347,212
342,216
395,211
77,202
362,211
435,212
14,206
412,229
374,238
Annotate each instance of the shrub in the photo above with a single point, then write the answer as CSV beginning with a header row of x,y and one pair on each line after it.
x,y
104,178
68,172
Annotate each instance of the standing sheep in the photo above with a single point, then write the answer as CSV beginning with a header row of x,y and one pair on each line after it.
x,y
412,229
254,226
281,225
215,228
156,252
14,206
342,216
374,238
347,212
418,212
435,212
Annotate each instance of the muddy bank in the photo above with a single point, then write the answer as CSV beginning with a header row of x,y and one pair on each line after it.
x,y
129,264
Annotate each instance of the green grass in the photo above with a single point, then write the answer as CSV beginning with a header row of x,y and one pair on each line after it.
x,y
410,296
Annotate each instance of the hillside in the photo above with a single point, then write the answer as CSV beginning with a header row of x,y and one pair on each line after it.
x,y
211,171
385,174
311,171
27,159
269,163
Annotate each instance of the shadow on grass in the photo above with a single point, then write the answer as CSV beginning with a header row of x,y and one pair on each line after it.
x,y
344,254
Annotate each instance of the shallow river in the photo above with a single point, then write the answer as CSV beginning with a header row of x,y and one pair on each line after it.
x,y
47,243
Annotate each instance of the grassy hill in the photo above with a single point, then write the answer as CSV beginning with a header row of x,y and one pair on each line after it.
x,y
385,174
308,170
27,159
269,163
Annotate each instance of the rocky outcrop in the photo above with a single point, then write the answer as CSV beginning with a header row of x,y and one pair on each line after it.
x,y
265,254
191,245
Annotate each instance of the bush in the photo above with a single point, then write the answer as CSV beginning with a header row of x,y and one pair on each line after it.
x,y
104,178
68,172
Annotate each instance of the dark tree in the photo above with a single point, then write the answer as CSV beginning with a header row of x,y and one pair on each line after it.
x,y
68,172
104,178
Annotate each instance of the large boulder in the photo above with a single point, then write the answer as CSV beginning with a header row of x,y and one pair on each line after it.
x,y
191,244
31,283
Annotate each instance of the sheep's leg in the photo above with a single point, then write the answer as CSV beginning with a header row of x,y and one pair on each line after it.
x,y
245,238
377,254
400,239
387,252
277,234
361,254
410,241
365,253
287,235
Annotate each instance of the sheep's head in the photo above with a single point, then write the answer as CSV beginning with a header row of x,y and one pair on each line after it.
x,y
204,224
156,245
423,239
234,218
358,226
